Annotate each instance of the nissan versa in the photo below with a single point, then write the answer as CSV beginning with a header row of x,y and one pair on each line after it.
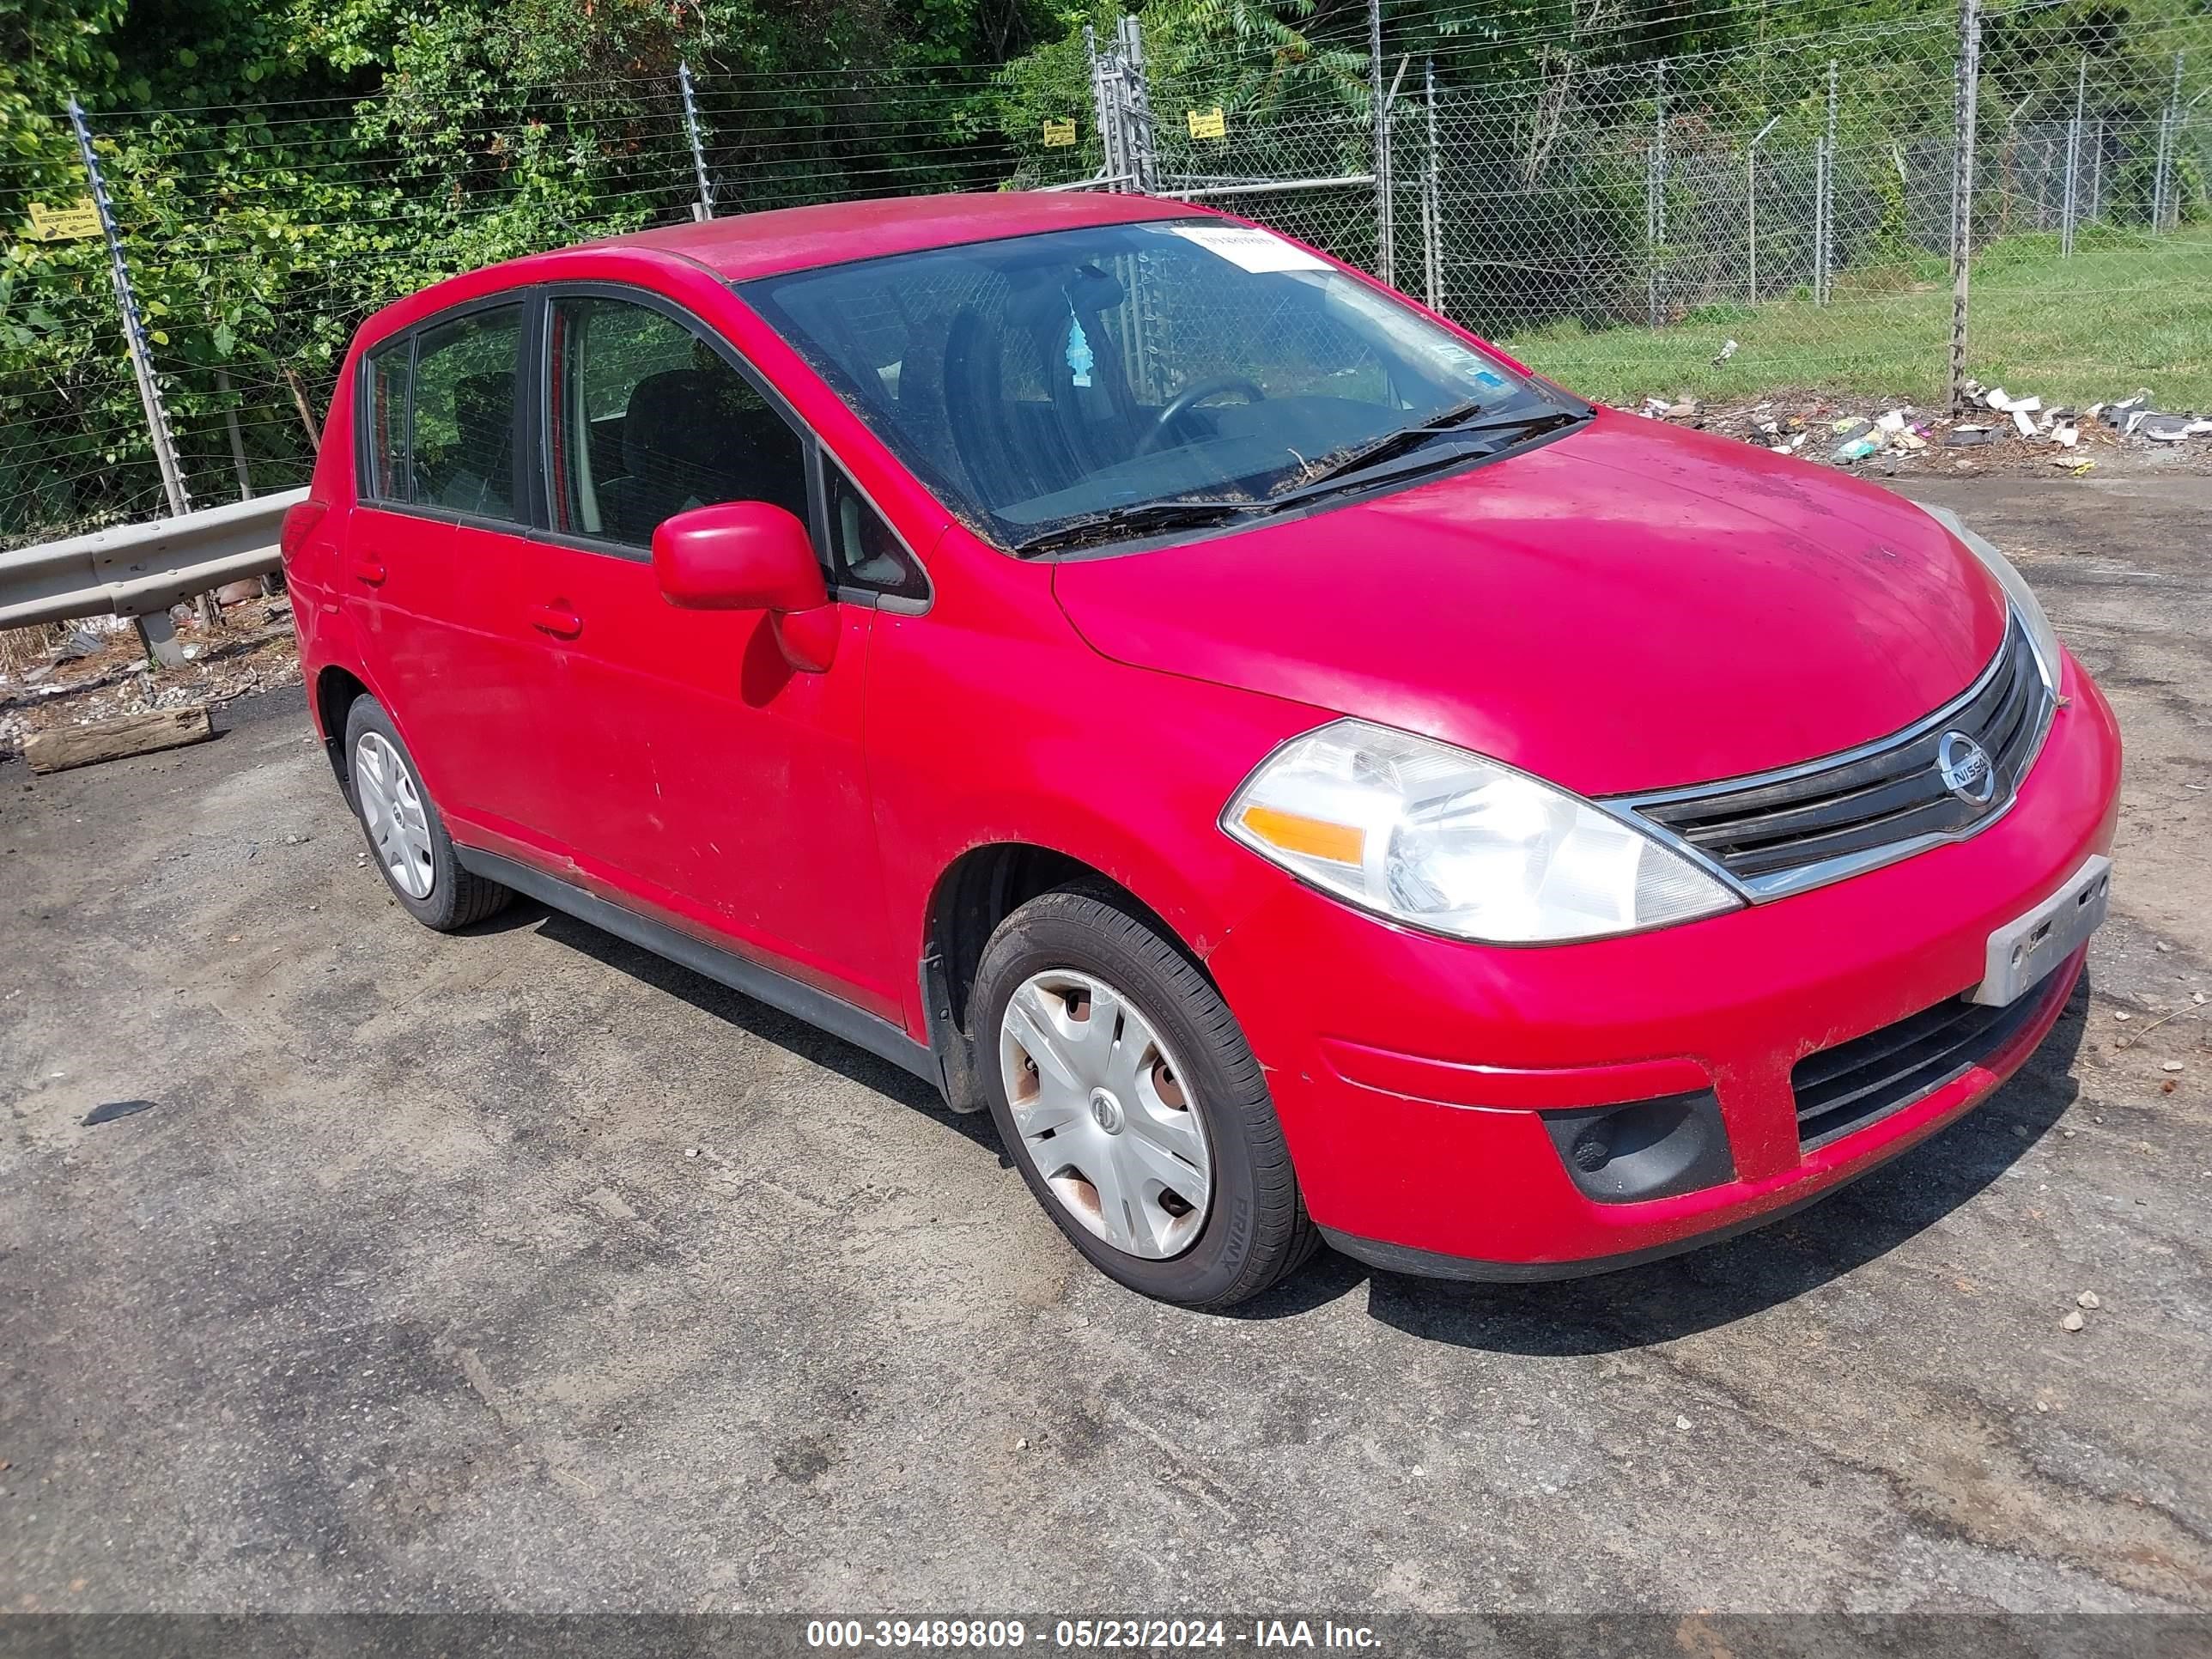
x,y
1310,778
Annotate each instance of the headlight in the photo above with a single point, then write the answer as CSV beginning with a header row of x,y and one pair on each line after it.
x,y
1430,834
2041,635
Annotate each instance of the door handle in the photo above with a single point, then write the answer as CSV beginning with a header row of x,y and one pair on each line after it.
x,y
370,571
558,620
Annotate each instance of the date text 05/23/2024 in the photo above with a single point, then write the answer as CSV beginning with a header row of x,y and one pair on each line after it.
x,y
1108,1634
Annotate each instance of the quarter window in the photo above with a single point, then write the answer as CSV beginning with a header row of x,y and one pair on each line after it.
x,y
384,449
650,420
863,550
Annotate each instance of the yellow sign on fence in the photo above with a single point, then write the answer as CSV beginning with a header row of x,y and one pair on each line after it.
x,y
1059,135
64,224
1208,123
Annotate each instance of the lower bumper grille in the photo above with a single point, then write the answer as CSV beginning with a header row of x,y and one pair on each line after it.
x,y
1848,1086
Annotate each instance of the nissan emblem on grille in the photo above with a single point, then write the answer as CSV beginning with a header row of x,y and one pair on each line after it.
x,y
1942,778
1965,767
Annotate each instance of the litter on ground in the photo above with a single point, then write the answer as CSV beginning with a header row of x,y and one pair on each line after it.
x,y
1892,435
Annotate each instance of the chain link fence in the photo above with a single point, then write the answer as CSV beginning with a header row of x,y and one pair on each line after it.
x,y
1616,224
1589,215
1621,227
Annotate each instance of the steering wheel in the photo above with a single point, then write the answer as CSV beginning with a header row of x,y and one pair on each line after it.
x,y
1188,399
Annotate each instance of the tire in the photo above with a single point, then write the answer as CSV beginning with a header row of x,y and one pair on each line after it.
x,y
1064,954
380,772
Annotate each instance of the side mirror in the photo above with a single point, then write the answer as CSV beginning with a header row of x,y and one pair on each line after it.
x,y
750,556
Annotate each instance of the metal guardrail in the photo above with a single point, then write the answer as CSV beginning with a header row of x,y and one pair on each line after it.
x,y
139,570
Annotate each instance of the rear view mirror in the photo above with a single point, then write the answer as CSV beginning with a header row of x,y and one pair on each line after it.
x,y
750,556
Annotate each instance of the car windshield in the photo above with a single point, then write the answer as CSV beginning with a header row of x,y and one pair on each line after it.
x,y
1120,380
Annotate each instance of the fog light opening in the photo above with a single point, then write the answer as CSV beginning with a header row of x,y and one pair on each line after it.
x,y
1643,1149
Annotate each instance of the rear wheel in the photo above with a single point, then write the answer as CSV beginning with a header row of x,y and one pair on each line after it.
x,y
1124,1090
407,837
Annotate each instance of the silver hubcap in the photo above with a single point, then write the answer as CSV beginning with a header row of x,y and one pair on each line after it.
x,y
390,807
1103,1114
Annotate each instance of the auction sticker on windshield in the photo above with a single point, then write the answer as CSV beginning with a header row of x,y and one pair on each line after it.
x,y
1250,248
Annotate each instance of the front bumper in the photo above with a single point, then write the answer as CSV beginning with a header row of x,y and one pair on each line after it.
x,y
1409,1072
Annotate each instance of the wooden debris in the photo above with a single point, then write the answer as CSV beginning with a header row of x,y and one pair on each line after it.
x,y
58,750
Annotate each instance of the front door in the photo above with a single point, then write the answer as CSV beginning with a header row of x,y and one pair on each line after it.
x,y
702,772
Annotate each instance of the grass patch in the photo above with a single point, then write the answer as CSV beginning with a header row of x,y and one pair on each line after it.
x,y
2127,311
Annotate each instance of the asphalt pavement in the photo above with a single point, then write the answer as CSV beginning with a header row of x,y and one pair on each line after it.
x,y
522,1269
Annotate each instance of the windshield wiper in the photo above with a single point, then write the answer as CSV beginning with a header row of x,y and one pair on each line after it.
x,y
1458,422
1374,458
1137,517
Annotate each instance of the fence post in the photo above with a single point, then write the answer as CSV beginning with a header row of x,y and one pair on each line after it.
x,y
2070,207
1101,111
237,438
1431,203
1820,219
1751,205
1655,194
1136,106
1751,217
705,208
2097,171
1964,96
2169,123
238,454
1386,181
1824,211
1384,249
156,632
134,334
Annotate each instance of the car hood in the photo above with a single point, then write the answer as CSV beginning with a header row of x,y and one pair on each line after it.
x,y
1630,607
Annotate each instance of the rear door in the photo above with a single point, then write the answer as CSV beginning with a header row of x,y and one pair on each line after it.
x,y
707,776
437,561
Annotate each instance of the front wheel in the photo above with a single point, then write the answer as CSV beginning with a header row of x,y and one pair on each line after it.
x,y
1125,1091
406,835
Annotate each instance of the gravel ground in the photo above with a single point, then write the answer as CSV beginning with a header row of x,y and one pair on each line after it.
x,y
255,654
523,1270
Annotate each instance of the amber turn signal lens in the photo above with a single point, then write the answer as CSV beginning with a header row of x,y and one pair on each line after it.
x,y
1317,838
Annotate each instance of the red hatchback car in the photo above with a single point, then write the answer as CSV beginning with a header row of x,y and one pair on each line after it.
x,y
1309,777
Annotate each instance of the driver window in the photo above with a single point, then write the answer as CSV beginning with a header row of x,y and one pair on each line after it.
x,y
650,420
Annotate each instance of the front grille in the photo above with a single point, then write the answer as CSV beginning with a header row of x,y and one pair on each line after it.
x,y
1848,1086
1788,828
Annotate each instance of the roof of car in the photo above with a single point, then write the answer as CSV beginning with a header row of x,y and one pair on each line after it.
x,y
748,245
795,239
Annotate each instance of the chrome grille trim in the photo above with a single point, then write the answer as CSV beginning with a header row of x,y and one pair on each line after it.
x,y
1765,871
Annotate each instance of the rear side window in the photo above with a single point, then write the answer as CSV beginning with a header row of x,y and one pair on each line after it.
x,y
438,413
649,421
461,447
